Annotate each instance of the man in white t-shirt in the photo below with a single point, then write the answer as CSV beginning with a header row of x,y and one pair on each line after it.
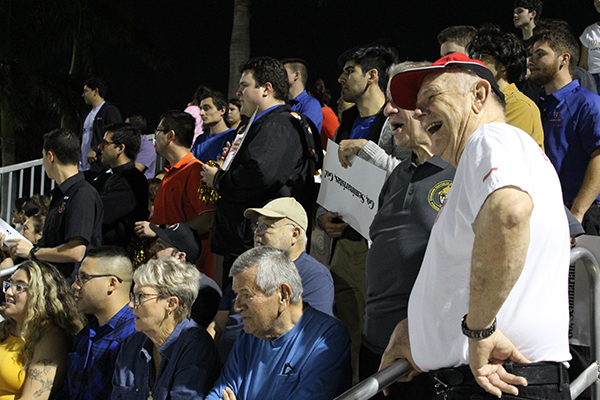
x,y
489,306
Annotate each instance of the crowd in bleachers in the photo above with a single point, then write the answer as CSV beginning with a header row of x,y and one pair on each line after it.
x,y
197,280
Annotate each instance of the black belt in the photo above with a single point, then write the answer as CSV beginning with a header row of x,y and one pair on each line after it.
x,y
542,373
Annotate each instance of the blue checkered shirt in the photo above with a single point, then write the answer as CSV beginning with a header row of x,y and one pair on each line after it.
x,y
95,349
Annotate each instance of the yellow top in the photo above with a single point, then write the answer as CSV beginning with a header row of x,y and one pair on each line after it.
x,y
523,113
12,377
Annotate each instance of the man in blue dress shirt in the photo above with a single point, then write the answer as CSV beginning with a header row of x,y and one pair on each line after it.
x,y
571,120
299,100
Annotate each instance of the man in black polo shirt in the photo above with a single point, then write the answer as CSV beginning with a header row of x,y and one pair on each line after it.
x,y
74,221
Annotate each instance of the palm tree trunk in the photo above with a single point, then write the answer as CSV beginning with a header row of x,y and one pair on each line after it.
x,y
239,49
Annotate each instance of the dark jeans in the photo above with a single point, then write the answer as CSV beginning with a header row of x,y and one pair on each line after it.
x,y
420,388
470,390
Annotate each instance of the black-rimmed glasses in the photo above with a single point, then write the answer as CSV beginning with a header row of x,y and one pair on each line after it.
x,y
138,298
82,279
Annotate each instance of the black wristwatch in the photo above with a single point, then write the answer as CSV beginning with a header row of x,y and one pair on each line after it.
x,y
32,252
482,334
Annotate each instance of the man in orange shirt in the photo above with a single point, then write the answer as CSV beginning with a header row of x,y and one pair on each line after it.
x,y
177,199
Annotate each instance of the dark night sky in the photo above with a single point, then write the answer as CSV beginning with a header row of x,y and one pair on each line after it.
x,y
195,35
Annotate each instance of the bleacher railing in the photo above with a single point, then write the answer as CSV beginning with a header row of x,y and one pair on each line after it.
x,y
13,181
382,379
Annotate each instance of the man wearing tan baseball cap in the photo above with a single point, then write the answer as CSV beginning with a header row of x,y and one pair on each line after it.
x,y
282,224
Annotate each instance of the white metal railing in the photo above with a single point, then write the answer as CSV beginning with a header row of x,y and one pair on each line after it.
x,y
590,377
12,179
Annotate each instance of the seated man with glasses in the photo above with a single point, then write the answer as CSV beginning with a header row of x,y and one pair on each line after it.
x,y
281,224
102,288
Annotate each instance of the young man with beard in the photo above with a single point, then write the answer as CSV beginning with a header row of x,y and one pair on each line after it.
x,y
571,120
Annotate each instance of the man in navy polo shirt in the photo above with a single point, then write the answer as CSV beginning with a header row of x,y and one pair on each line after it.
x,y
571,120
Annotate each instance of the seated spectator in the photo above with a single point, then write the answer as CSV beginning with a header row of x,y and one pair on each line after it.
x,y
180,242
32,231
26,207
101,288
33,228
281,224
41,320
145,160
170,356
316,88
288,350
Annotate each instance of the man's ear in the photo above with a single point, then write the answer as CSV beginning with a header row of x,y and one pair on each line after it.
x,y
268,89
373,76
481,93
285,293
51,156
180,256
564,60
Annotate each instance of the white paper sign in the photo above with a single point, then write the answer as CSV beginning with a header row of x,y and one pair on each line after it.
x,y
10,232
352,192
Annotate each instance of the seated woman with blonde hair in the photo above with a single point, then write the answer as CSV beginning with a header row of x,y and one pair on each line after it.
x,y
41,319
170,356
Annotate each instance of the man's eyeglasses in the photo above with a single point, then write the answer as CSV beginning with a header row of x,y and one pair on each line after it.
x,y
82,279
138,298
106,142
17,288
160,130
263,228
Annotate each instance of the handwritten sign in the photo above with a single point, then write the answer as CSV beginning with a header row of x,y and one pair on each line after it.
x,y
352,192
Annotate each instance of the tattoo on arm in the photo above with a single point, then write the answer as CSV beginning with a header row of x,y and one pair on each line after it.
x,y
40,375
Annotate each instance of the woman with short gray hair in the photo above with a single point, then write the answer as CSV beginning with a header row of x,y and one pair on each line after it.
x,y
170,356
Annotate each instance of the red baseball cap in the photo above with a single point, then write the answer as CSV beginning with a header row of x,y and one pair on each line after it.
x,y
405,86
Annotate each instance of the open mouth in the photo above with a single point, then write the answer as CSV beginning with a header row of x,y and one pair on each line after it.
x,y
434,127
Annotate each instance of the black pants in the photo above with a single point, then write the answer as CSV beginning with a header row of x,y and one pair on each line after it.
x,y
470,390
420,388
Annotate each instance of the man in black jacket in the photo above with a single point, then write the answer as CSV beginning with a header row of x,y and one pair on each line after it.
x,y
269,159
125,193
93,126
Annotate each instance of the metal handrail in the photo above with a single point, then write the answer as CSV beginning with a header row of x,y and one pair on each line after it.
x,y
14,184
377,382
590,377
8,271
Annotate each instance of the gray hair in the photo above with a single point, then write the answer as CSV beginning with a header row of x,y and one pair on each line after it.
x,y
171,277
395,69
273,268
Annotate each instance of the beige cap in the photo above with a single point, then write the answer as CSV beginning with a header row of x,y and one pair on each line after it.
x,y
284,207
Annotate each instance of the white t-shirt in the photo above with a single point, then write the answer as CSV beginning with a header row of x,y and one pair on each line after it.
x,y
590,38
86,138
535,315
